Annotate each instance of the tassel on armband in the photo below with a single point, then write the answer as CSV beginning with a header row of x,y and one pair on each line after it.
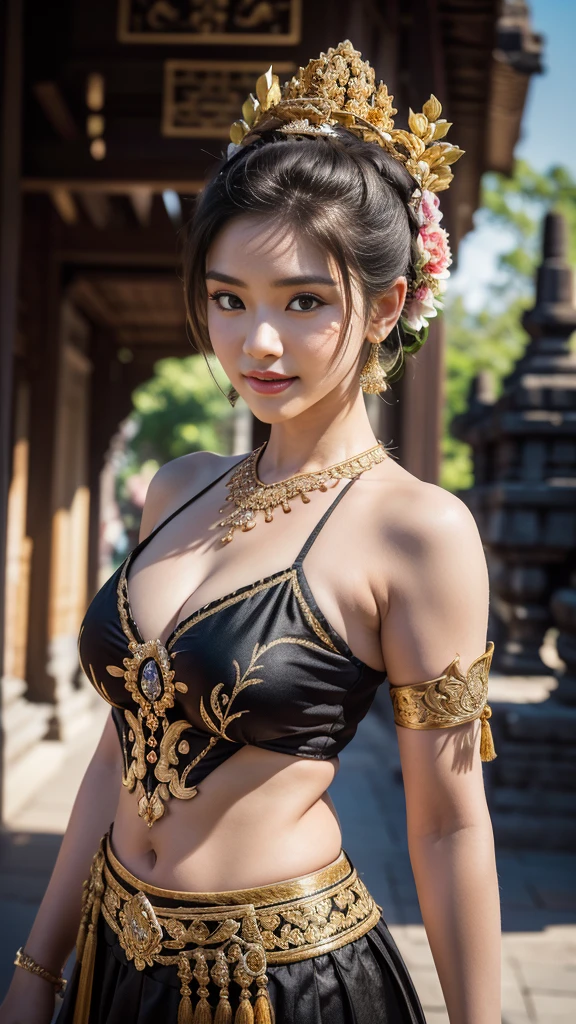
x,y
450,699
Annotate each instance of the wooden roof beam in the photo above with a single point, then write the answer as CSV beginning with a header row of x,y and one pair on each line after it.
x,y
141,202
98,207
65,204
110,186
56,110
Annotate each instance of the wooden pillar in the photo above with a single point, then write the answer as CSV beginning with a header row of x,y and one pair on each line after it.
x,y
103,352
418,426
421,407
10,133
110,402
18,545
41,292
70,509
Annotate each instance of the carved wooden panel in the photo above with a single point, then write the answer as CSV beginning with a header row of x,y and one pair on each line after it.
x,y
202,98
210,21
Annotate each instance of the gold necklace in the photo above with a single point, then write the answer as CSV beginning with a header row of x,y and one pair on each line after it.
x,y
250,495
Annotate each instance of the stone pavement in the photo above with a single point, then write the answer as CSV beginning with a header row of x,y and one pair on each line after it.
x,y
538,890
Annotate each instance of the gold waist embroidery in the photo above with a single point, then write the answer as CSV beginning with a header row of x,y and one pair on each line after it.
x,y
228,941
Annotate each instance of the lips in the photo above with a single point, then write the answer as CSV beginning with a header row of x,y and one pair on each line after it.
x,y
268,375
269,383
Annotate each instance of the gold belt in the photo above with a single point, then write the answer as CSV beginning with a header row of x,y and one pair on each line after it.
x,y
220,937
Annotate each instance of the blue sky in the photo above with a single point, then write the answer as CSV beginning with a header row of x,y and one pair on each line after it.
x,y
548,135
549,127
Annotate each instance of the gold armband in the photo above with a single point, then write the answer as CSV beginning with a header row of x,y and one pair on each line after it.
x,y
450,699
25,961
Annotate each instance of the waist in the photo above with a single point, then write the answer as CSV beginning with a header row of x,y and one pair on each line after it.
x,y
215,938
263,817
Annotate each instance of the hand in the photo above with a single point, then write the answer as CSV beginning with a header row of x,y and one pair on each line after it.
x,y
30,1000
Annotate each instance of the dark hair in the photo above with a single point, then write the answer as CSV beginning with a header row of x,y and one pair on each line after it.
x,y
348,196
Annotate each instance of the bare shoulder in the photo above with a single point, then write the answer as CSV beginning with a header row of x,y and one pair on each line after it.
x,y
178,480
422,517
433,594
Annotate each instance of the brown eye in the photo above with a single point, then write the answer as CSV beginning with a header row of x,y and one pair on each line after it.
x,y
305,303
227,301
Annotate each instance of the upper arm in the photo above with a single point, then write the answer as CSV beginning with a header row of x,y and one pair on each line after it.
x,y
437,608
438,590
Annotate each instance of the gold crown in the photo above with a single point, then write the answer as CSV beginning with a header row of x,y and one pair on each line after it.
x,y
339,88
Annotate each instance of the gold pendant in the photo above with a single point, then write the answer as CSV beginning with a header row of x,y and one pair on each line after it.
x,y
250,496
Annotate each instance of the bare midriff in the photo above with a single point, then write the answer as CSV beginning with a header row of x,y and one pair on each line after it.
x,y
260,817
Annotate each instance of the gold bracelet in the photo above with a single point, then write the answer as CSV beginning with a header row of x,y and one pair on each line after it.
x,y
25,961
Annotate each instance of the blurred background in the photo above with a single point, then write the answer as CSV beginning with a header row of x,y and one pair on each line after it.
x,y
112,113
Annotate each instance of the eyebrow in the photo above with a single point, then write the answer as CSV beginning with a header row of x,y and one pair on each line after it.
x,y
285,282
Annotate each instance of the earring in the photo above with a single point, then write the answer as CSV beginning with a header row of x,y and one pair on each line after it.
x,y
232,396
373,377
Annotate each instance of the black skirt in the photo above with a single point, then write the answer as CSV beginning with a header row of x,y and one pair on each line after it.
x,y
363,981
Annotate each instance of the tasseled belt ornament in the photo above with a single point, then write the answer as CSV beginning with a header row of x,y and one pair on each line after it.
x,y
450,699
221,950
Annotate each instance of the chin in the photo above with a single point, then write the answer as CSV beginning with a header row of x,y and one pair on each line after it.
x,y
271,416
273,409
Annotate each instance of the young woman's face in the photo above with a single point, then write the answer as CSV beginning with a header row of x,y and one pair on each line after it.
x,y
275,309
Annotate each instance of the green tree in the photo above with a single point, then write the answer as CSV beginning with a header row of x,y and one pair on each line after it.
x,y
493,338
179,410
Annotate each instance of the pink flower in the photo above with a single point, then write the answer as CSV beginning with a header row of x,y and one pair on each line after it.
x,y
429,208
433,242
418,307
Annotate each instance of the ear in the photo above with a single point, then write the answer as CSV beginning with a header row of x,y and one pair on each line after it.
x,y
386,311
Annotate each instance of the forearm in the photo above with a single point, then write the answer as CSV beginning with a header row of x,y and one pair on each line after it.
x,y
457,886
54,931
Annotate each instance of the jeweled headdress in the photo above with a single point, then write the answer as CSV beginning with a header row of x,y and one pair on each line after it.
x,y
339,88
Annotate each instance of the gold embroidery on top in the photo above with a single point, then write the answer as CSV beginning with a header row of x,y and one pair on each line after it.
x,y
221,703
226,602
309,615
165,763
155,696
150,699
101,689
124,602
168,757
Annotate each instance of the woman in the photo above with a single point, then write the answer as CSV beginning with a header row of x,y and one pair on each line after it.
x,y
222,892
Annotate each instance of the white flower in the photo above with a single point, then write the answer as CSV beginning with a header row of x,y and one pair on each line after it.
x,y
429,209
421,306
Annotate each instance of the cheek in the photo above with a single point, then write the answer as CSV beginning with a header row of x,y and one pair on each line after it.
x,y
324,355
225,333
315,340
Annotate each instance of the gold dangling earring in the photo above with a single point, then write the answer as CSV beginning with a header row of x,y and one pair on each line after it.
x,y
232,396
373,377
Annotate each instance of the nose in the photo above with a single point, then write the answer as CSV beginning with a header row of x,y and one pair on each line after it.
x,y
263,340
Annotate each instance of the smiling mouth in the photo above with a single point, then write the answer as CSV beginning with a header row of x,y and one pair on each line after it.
x,y
269,383
268,375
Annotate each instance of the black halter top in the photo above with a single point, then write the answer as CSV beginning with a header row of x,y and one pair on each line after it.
x,y
259,666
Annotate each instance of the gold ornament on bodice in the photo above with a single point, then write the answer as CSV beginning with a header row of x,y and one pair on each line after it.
x,y
250,496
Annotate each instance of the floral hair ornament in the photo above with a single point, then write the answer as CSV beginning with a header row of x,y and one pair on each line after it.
x,y
339,89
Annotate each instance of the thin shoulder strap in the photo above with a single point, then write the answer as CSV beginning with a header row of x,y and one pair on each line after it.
x,y
193,498
308,544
